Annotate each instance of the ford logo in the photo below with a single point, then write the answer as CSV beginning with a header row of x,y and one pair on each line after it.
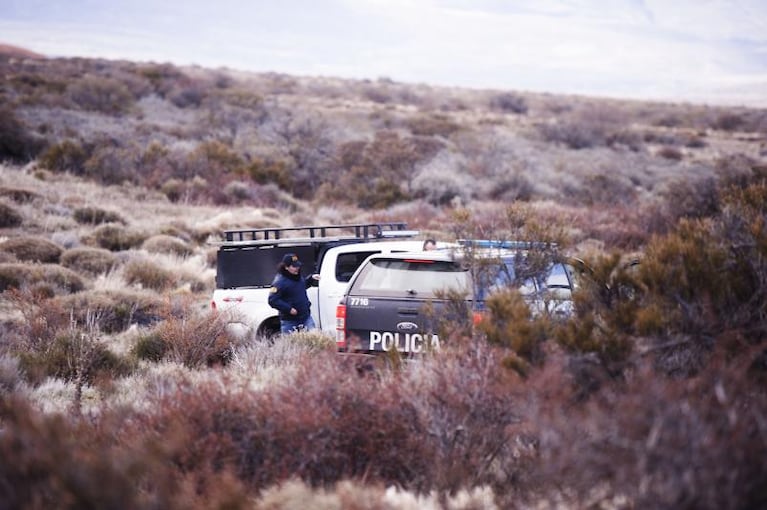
x,y
407,326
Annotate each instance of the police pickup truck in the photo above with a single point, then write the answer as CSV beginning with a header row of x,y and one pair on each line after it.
x,y
246,263
395,301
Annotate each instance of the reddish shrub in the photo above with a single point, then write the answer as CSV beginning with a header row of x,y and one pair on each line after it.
x,y
658,443
50,462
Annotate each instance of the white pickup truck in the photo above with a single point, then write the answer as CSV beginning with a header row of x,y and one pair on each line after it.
x,y
247,262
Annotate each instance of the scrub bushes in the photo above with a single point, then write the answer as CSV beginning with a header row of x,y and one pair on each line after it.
x,y
32,249
9,216
92,261
96,216
47,279
114,237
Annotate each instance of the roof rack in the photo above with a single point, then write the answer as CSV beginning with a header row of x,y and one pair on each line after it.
x,y
508,245
317,233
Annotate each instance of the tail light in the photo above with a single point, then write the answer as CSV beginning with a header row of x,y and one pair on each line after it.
x,y
476,317
341,326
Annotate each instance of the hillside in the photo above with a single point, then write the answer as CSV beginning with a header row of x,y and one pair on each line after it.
x,y
230,138
120,387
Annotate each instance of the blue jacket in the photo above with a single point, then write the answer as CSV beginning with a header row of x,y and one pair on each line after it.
x,y
289,291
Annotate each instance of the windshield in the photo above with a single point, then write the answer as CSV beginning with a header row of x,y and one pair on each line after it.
x,y
505,274
421,278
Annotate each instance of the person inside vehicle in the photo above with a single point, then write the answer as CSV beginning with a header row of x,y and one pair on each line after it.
x,y
429,244
288,295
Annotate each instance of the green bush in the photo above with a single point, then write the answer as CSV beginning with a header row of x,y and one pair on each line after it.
x,y
93,261
114,237
9,216
510,323
32,249
96,216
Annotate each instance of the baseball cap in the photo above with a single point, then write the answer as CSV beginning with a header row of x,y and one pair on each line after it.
x,y
291,259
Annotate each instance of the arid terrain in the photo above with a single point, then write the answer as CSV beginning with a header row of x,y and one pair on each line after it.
x,y
119,387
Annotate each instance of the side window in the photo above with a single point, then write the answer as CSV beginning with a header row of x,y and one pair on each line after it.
x,y
348,263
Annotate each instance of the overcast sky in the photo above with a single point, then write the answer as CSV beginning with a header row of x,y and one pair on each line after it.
x,y
681,50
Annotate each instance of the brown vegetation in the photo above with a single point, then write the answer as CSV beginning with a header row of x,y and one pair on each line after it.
x,y
652,396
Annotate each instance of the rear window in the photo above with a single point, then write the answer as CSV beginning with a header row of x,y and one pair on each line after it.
x,y
415,278
348,263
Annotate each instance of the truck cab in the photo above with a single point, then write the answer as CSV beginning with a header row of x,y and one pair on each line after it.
x,y
247,262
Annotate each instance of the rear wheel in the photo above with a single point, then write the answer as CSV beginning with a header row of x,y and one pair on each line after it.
x,y
269,328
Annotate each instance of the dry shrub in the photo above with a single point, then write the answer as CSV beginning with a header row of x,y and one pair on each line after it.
x,y
150,347
47,462
469,419
194,339
111,163
101,94
322,427
50,341
46,279
114,311
51,462
575,135
96,216
167,244
433,125
294,494
65,156
312,341
10,374
115,237
19,195
606,189
671,153
73,355
508,102
32,249
92,261
441,427
9,216
729,122
656,442
147,274
687,199
17,144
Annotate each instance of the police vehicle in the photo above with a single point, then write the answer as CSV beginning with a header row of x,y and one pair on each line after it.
x,y
396,301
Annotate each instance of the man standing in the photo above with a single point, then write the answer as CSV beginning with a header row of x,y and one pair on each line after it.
x,y
288,295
